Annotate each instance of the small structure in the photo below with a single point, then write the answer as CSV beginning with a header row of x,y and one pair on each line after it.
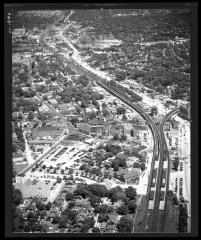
x,y
132,176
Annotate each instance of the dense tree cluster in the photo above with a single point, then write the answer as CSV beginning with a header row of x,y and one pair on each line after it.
x,y
92,190
183,216
125,224
165,64
176,163
119,161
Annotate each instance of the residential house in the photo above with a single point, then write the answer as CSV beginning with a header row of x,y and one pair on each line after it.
x,y
113,217
83,127
53,131
132,176
103,226
127,128
119,128
67,109
166,127
111,228
106,129
53,212
175,125
14,137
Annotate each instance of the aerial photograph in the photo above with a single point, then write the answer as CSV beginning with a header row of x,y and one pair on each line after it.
x,y
101,123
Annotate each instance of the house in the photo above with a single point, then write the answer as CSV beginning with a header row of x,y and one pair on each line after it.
x,y
106,129
119,128
109,116
96,130
132,176
113,217
53,213
175,125
96,122
53,131
127,128
14,137
111,228
80,218
19,31
103,225
84,127
166,127
67,108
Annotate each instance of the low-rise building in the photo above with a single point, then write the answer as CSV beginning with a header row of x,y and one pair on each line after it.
x,y
53,131
132,176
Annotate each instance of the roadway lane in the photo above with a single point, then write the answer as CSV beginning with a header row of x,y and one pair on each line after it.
x,y
164,155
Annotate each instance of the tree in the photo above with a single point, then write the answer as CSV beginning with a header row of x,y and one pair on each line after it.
x,y
83,166
94,200
124,118
125,224
63,221
121,110
48,206
89,221
56,220
40,205
175,200
82,190
131,193
102,217
30,116
45,97
17,197
123,137
132,206
45,228
71,171
116,136
115,164
104,105
142,166
176,163
122,161
71,204
69,196
154,111
123,210
95,229
74,120
98,190
85,227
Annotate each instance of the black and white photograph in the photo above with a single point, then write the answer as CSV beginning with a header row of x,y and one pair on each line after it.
x,y
100,119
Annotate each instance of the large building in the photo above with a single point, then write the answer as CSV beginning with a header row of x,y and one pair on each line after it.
x,y
19,32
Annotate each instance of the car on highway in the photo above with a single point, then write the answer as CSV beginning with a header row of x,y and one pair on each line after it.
x,y
153,183
163,180
151,195
162,194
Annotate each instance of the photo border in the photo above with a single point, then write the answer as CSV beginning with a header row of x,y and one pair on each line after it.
x,y
194,112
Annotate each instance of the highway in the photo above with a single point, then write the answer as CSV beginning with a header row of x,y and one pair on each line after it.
x,y
164,155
